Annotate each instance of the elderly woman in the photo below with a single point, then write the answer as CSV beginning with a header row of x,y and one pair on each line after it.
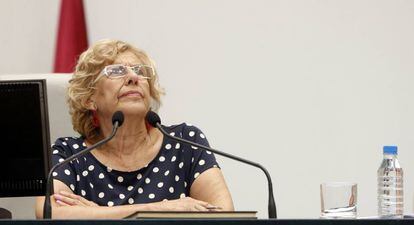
x,y
140,169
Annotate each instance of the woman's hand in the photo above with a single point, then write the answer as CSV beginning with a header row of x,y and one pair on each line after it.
x,y
64,198
186,204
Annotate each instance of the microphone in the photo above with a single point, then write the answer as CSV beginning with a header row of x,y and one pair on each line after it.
x,y
154,120
117,120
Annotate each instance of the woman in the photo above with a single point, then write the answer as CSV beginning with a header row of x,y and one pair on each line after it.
x,y
139,169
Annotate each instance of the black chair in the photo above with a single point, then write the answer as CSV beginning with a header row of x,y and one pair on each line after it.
x,y
5,214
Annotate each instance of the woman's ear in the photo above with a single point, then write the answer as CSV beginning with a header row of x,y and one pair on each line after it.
x,y
91,105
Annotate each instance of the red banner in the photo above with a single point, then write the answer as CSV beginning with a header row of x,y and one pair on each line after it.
x,y
72,38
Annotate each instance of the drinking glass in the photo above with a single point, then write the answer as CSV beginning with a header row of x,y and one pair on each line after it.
x,y
338,200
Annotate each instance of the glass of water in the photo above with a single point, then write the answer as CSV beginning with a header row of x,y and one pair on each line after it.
x,y
338,200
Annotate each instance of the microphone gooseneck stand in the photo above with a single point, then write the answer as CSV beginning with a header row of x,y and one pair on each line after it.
x,y
155,121
117,120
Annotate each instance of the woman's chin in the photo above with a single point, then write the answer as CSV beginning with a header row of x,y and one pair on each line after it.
x,y
134,110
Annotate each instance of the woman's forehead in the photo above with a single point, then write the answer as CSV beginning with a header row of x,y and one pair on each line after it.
x,y
127,58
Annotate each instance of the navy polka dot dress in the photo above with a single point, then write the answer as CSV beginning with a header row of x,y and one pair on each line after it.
x,y
168,176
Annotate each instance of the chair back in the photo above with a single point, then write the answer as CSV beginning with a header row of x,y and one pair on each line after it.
x,y
5,214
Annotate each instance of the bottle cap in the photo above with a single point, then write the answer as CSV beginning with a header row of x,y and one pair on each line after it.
x,y
390,150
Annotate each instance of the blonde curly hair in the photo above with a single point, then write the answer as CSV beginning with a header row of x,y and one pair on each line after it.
x,y
89,66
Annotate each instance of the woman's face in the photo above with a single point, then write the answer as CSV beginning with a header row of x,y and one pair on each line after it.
x,y
129,94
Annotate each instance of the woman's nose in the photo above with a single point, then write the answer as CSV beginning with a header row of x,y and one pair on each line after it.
x,y
131,78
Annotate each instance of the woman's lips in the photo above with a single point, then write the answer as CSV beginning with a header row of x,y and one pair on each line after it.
x,y
131,94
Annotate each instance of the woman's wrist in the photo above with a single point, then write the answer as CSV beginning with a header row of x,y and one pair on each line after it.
x,y
154,206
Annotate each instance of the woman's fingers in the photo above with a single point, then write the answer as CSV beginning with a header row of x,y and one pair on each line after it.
x,y
199,202
199,205
61,203
70,195
73,199
214,208
200,208
66,200
78,199
189,204
208,207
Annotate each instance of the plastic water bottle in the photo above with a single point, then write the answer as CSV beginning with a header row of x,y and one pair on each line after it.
x,y
390,185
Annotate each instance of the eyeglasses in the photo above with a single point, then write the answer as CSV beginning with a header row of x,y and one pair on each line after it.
x,y
119,71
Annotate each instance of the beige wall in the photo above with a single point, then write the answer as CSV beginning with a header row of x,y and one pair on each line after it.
x,y
310,89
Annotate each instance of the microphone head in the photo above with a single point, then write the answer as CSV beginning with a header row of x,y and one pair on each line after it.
x,y
152,118
118,117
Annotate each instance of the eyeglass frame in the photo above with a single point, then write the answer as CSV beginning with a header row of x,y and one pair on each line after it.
x,y
105,73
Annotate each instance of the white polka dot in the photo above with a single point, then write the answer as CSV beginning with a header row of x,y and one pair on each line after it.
x,y
91,167
215,166
55,152
72,187
151,196
160,184
177,178
140,190
121,196
101,176
64,143
194,147
139,176
181,165
85,173
185,184
182,195
110,186
66,138
83,144
147,180
101,195
168,146
67,172
155,170
191,133
120,179
165,200
75,146
90,184
83,192
130,188
110,203
173,159
61,160
77,178
196,175
171,189
192,159
177,146
54,174
208,152
84,158
162,158
201,162
172,133
109,169
202,135
131,201
167,172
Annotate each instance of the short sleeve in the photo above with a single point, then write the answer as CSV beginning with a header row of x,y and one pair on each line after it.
x,y
201,160
66,173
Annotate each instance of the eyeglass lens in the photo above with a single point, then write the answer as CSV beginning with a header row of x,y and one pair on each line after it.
x,y
121,70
